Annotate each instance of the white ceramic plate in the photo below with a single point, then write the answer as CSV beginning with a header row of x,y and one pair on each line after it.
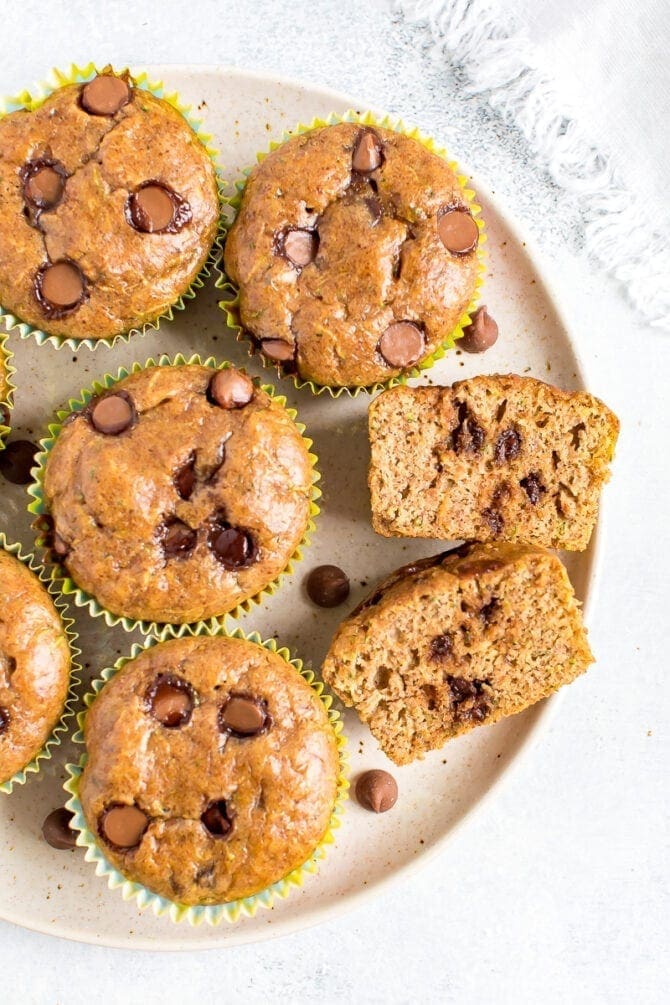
x,y
57,892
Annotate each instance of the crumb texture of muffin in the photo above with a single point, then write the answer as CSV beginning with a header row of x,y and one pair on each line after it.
x,y
457,641
491,458
212,769
34,666
178,494
354,251
109,208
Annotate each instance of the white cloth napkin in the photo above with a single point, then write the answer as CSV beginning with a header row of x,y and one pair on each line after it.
x,y
588,84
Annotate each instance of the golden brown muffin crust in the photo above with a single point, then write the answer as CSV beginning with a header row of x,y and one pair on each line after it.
x,y
34,666
131,277
378,258
279,787
115,498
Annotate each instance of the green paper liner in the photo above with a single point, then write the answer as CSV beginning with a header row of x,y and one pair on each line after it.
x,y
212,914
80,74
229,303
38,507
60,729
8,370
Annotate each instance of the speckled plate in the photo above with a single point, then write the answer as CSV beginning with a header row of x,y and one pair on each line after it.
x,y
57,892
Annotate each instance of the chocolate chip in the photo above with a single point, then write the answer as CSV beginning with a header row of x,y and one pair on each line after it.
x,y
123,826
487,612
60,287
480,334
299,246
494,519
185,478
57,831
533,487
327,585
17,461
368,152
233,546
401,344
376,211
468,436
508,446
43,183
218,819
376,790
277,350
457,230
244,715
442,647
155,208
170,699
179,539
5,719
230,389
113,414
105,95
469,700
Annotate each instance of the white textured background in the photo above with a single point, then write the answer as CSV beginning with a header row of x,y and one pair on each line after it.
x,y
558,893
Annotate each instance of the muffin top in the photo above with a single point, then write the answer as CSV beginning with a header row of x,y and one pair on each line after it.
x,y
212,769
108,209
34,666
355,253
180,493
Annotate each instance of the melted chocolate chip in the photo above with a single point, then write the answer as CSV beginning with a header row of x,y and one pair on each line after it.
x,y
468,436
494,519
376,211
218,819
488,611
480,334
508,446
230,389
5,719
179,539
185,478
17,461
155,208
104,95
298,245
123,826
232,546
43,184
113,414
468,698
368,152
327,585
244,715
277,350
170,699
401,344
442,647
376,790
60,287
457,230
57,831
533,487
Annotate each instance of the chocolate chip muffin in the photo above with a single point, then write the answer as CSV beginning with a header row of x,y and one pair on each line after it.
x,y
178,493
34,666
212,769
108,209
354,251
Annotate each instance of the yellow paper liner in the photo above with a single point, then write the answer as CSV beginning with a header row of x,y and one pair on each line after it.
x,y
80,74
210,914
39,508
60,730
7,370
229,303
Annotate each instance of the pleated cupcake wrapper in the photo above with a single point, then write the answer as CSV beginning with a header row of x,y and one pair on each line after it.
x,y
79,75
230,302
209,914
60,730
38,507
7,369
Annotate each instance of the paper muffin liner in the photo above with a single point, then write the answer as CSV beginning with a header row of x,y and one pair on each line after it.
x,y
60,730
216,913
38,507
7,397
230,300
79,75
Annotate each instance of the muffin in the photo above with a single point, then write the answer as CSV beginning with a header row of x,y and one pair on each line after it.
x,y
497,457
34,666
178,493
457,641
355,254
212,769
109,208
